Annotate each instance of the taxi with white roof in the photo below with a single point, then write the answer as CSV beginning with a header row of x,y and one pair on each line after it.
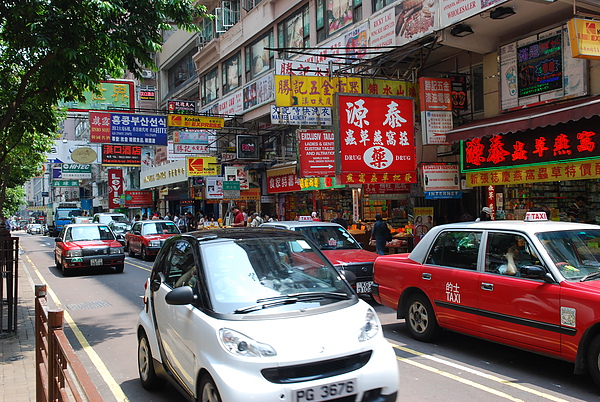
x,y
532,284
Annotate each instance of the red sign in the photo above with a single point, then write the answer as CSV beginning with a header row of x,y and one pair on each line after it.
x,y
283,183
138,198
115,187
388,188
100,127
376,141
317,153
121,155
435,93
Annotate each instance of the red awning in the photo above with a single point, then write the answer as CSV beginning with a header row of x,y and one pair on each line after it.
x,y
526,119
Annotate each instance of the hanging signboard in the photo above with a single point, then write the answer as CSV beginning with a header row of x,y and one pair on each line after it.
x,y
585,38
182,120
115,187
121,155
76,171
317,153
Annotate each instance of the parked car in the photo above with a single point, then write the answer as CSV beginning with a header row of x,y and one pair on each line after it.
x,y
147,237
107,217
120,229
533,284
259,314
339,246
35,228
87,245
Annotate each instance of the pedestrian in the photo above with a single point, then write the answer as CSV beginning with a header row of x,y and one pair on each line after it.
x,y
256,220
145,217
315,216
339,219
238,218
135,219
576,212
168,216
380,233
485,215
191,222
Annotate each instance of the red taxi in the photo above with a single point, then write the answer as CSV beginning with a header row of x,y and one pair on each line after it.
x,y
147,237
534,285
87,245
340,248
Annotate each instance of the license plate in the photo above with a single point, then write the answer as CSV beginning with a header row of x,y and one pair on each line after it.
x,y
325,392
363,287
94,262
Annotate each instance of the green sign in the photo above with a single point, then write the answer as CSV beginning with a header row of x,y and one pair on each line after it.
x,y
76,171
231,185
65,183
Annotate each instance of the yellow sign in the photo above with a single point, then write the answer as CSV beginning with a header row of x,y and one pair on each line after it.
x,y
201,166
589,169
585,38
184,120
299,90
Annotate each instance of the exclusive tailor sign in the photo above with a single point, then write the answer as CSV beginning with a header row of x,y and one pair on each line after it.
x,y
317,153
376,141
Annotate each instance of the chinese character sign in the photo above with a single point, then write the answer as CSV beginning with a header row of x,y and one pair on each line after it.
x,y
312,91
115,187
376,139
138,129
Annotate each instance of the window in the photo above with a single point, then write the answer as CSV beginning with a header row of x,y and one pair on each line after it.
x,y
182,71
179,267
210,86
259,59
507,252
295,32
334,15
231,73
379,4
456,249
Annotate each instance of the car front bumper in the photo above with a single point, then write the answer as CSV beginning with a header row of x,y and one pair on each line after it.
x,y
83,262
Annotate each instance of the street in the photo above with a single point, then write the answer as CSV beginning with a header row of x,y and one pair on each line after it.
x,y
101,310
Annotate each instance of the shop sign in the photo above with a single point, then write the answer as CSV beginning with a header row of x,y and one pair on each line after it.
x,y
121,155
200,166
65,183
452,11
436,125
317,152
295,67
56,173
439,177
138,198
181,107
267,199
376,139
163,175
194,137
247,146
238,174
231,104
252,194
76,171
416,20
440,195
259,92
63,152
491,199
540,66
109,95
182,120
383,29
458,92
585,38
312,91
147,94
575,140
171,155
214,188
126,128
319,183
374,86
301,116
283,183
386,188
574,170
191,149
435,93
115,187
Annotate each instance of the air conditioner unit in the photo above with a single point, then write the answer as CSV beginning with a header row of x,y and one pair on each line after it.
x,y
147,74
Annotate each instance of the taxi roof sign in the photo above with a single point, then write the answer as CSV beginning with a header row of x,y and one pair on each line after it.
x,y
535,216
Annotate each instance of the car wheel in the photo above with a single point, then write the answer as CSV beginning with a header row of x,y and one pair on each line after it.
x,y
58,264
120,268
145,256
131,252
148,377
420,318
593,360
64,271
208,390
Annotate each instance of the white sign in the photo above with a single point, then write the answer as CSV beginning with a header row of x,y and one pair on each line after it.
x,y
171,155
437,124
214,188
294,67
297,115
232,104
440,177
61,151
191,149
383,29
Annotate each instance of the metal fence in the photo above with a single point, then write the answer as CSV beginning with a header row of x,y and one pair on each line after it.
x,y
60,376
9,284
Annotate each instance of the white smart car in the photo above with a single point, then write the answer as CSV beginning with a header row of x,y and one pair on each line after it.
x,y
252,314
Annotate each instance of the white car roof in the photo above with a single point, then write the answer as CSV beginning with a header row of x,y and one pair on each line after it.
x,y
298,224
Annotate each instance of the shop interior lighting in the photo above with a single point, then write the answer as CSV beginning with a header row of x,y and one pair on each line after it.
x,y
461,30
502,12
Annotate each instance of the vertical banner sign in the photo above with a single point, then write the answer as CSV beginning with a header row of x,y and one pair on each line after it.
x,y
100,127
376,141
436,109
115,187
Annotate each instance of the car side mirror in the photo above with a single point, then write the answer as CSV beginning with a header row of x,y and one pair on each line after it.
x,y
57,240
137,232
535,272
181,296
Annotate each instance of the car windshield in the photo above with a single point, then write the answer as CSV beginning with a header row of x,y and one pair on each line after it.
x,y
159,228
576,253
83,233
329,237
120,226
254,276
64,214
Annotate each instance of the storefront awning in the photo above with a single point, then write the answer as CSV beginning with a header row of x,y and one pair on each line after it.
x,y
527,119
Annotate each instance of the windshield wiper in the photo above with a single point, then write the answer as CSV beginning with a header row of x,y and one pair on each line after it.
x,y
591,276
291,299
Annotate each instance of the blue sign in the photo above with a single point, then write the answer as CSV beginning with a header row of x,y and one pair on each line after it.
x,y
127,128
437,195
56,173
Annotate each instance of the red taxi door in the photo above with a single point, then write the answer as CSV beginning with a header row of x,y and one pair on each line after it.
x,y
450,278
514,309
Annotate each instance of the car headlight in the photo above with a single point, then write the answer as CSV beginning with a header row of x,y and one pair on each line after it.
x,y
154,243
370,327
74,253
240,345
116,250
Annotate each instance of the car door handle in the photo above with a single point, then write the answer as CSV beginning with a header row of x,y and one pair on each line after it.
x,y
487,286
426,276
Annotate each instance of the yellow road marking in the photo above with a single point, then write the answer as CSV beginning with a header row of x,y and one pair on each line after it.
x,y
112,384
138,266
475,372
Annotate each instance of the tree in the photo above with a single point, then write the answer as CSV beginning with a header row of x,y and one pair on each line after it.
x,y
15,199
52,50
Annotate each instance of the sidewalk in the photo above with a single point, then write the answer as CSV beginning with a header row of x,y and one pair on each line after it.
x,y
17,351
